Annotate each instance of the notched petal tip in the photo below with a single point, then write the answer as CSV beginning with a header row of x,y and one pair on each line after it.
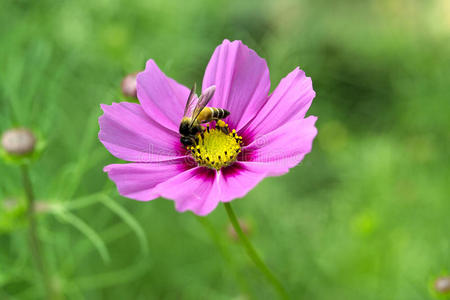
x,y
195,189
107,108
242,80
287,147
138,181
195,210
311,121
129,134
104,106
232,42
239,179
149,64
161,97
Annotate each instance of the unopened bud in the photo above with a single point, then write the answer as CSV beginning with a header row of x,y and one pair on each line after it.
x,y
245,229
18,141
128,85
10,203
442,284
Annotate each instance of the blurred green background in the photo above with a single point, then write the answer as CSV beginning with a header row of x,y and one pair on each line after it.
x,y
366,215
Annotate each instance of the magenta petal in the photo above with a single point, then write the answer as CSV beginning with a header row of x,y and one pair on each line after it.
x,y
161,97
289,101
237,180
138,180
282,148
196,189
242,81
129,134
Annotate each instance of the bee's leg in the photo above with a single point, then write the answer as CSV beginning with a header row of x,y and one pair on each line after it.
x,y
222,126
202,135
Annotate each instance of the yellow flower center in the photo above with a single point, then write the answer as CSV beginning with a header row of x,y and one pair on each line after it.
x,y
216,147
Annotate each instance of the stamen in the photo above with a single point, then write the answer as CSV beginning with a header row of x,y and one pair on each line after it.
x,y
216,147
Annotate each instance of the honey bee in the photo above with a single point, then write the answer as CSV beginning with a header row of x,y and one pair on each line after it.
x,y
196,112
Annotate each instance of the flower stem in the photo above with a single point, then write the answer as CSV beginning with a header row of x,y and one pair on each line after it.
x,y
220,244
35,246
254,255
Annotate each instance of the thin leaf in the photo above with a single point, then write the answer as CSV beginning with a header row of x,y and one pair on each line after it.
x,y
111,278
86,230
79,167
82,202
129,219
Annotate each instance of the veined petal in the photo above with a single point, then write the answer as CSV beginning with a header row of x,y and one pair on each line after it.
x,y
161,97
242,81
289,101
283,148
138,180
129,134
196,189
237,180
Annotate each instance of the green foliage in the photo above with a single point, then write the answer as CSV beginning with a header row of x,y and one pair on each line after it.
x,y
365,215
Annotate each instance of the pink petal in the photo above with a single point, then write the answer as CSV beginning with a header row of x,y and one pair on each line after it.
x,y
237,180
138,180
289,101
242,81
196,189
129,134
161,97
283,148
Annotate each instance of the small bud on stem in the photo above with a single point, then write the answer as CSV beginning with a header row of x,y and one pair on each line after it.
x,y
245,229
128,85
18,141
442,284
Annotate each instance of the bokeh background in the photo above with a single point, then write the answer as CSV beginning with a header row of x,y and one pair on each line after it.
x,y
366,215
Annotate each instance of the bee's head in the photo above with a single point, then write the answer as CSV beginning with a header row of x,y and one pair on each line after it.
x,y
187,129
187,141
184,128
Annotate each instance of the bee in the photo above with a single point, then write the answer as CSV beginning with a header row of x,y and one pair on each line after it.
x,y
196,113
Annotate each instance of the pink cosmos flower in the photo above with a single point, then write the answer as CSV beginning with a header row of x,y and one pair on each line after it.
x,y
267,134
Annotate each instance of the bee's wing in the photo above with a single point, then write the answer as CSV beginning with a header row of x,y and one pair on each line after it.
x,y
203,101
191,103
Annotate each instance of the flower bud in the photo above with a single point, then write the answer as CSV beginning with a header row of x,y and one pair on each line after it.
x,y
245,229
442,284
128,85
9,204
18,141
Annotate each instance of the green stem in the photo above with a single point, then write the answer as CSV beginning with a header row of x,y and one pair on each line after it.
x,y
253,254
218,241
35,246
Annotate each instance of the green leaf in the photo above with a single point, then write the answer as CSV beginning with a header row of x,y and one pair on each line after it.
x,y
86,230
129,219
83,201
113,278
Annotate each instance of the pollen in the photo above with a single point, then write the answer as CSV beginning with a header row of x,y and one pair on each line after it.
x,y
216,147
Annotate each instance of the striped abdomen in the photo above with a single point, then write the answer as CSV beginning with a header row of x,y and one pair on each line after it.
x,y
209,114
